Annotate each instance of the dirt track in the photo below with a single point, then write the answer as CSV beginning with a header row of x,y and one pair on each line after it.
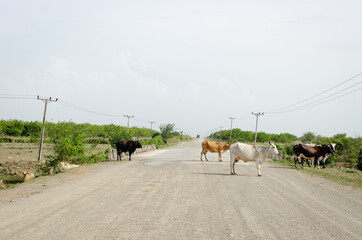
x,y
171,194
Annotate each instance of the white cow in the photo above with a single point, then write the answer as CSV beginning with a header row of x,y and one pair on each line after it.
x,y
246,152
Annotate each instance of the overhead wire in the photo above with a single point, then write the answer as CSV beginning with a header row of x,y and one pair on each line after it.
x,y
332,98
65,103
318,101
17,96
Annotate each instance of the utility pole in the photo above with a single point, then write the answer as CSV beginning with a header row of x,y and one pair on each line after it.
x,y
256,126
231,126
45,100
151,128
127,116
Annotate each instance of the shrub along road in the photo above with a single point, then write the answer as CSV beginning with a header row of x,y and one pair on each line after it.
x,y
170,194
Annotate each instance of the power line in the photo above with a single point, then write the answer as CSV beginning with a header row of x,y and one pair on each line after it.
x,y
65,103
318,102
17,96
314,103
332,98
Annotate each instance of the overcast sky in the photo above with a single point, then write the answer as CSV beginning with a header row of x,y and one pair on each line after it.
x,y
191,63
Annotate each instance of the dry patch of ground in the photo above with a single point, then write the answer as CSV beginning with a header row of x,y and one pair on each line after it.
x,y
17,158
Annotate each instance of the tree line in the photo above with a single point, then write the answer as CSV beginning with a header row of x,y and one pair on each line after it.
x,y
92,134
237,135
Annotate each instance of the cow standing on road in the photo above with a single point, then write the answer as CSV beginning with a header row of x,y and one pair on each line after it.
x,y
214,147
316,153
246,152
127,146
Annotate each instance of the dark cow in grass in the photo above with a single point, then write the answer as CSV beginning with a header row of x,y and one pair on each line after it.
x,y
127,146
315,153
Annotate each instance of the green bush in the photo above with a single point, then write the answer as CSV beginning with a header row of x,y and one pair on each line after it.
x,y
166,131
308,137
68,142
50,166
121,134
359,163
13,128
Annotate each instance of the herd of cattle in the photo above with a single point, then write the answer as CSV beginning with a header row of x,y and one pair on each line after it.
x,y
245,152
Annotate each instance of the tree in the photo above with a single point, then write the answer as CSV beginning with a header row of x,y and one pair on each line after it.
x,y
166,130
14,128
340,136
262,137
308,137
68,142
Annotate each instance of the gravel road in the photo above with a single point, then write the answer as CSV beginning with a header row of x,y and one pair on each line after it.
x,y
170,194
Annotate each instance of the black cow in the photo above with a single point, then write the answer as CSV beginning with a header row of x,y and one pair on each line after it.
x,y
127,146
315,153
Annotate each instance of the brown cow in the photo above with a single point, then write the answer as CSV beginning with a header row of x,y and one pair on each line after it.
x,y
214,147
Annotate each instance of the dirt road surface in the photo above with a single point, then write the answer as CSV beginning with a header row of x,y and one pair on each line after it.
x,y
171,194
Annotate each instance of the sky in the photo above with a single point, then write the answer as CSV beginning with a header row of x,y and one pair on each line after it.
x,y
194,64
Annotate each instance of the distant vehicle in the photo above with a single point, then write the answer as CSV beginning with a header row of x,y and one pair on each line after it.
x,y
198,136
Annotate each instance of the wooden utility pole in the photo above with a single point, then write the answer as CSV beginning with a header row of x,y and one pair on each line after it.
x,y
231,126
151,128
256,126
45,100
127,116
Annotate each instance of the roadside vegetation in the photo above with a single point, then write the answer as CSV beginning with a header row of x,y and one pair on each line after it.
x,y
344,166
70,142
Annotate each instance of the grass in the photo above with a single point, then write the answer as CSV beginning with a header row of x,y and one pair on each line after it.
x,y
344,176
11,181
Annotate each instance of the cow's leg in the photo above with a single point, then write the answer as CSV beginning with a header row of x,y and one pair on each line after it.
x,y
319,167
205,156
232,164
258,167
302,163
316,162
325,160
201,155
299,161
129,153
295,161
220,160
232,170
119,155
